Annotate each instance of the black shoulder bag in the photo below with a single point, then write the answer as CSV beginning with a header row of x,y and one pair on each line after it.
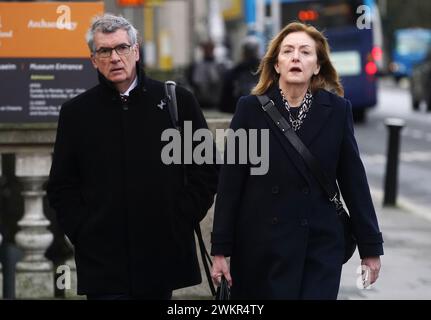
x,y
313,164
173,112
223,291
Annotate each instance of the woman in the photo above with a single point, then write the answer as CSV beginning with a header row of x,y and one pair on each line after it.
x,y
280,229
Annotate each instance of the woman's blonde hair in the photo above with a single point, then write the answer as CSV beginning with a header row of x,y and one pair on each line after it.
x,y
326,79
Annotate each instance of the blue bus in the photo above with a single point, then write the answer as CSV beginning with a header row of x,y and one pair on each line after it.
x,y
411,47
354,40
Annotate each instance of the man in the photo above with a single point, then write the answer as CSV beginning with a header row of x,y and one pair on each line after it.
x,y
205,77
242,78
129,216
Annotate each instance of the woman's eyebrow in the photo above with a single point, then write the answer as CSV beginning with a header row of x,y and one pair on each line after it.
x,y
292,46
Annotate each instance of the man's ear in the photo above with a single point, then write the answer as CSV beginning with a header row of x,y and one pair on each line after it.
x,y
93,61
136,51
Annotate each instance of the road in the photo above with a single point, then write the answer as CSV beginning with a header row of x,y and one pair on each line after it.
x,y
415,159
406,265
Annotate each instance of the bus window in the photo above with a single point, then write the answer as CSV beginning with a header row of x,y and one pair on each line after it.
x,y
356,53
411,47
322,14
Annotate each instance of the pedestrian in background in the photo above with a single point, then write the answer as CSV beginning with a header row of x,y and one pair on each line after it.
x,y
129,216
281,230
240,80
205,77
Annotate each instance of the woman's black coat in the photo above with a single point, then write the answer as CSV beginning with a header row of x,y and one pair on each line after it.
x,y
280,229
129,215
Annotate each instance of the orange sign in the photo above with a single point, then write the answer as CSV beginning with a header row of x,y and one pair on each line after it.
x,y
46,29
130,3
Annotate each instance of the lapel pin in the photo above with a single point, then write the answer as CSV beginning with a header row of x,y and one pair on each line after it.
x,y
161,104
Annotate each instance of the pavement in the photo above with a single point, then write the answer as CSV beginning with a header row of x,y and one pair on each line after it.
x,y
406,264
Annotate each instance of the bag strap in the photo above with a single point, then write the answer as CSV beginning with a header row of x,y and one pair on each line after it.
x,y
173,112
206,259
310,160
172,102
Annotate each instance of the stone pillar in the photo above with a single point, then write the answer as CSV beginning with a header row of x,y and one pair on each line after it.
x,y
34,277
71,292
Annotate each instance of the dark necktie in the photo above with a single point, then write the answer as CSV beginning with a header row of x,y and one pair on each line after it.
x,y
124,101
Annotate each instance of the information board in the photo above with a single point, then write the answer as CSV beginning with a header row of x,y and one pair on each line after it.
x,y
44,58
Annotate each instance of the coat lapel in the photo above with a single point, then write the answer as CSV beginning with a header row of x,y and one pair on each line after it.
x,y
316,117
275,96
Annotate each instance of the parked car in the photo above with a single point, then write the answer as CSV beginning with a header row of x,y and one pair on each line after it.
x,y
420,83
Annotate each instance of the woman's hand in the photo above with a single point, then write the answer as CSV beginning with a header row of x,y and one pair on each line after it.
x,y
220,268
373,268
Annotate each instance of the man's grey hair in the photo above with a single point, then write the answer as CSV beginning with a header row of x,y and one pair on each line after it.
x,y
109,23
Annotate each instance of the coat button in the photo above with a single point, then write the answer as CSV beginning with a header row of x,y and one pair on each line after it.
x,y
305,190
274,220
304,222
275,190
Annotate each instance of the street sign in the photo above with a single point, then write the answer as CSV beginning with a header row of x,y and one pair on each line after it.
x,y
44,59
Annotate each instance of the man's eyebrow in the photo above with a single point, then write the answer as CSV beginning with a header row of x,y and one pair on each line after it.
x,y
121,44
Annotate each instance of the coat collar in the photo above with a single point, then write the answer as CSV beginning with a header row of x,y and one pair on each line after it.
x,y
316,118
114,94
317,115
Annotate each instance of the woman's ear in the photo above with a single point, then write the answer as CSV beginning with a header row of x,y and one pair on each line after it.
x,y
316,72
277,69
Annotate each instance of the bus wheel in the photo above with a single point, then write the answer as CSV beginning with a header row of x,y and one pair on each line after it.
x,y
359,115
